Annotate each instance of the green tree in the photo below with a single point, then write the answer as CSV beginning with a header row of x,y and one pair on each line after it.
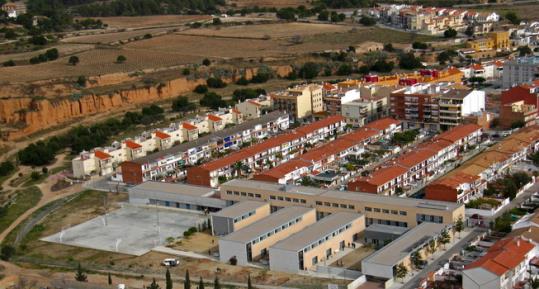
x,y
120,59
450,33
200,283
73,60
109,279
7,252
201,88
9,63
367,21
524,50
459,226
444,238
215,82
6,168
186,282
417,260
168,280
309,70
217,21
80,275
153,285
182,104
409,61
419,45
39,40
344,69
512,17
323,15
81,81
470,31
337,17
212,100
52,54
401,271
206,62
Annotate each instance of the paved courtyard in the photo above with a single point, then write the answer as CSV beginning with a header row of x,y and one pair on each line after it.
x,y
130,230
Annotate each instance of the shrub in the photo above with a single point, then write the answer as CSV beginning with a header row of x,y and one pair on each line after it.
x,y
52,54
9,63
7,252
309,70
206,62
367,21
121,59
214,82
201,88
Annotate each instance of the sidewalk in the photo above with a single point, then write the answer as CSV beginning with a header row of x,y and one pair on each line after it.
x,y
434,259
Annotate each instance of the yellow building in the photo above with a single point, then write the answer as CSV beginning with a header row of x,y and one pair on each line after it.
x,y
498,40
301,101
317,243
238,216
378,209
253,241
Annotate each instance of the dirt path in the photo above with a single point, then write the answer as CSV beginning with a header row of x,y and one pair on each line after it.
x,y
48,196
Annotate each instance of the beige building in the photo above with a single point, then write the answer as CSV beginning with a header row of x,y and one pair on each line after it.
x,y
253,241
300,101
372,105
383,263
316,243
237,216
378,209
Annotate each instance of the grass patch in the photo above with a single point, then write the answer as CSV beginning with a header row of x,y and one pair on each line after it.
x,y
21,202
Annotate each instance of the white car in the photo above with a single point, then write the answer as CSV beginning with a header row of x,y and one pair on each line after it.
x,y
170,262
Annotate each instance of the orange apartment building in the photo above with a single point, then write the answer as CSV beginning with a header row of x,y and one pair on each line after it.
x,y
261,156
418,164
470,179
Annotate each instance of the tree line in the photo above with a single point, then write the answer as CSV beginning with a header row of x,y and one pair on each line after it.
x,y
148,7
83,137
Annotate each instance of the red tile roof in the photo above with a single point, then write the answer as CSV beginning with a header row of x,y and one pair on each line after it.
x,y
459,132
312,127
161,135
254,102
503,256
415,157
454,181
383,123
188,126
384,175
132,145
214,117
102,155
270,143
285,168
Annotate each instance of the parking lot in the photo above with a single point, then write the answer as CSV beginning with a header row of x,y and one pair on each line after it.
x,y
130,230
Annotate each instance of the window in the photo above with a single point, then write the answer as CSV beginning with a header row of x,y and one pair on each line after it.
x,y
402,213
335,205
243,194
303,201
315,260
394,212
280,198
376,210
343,206
229,192
318,203
327,204
250,195
295,200
236,193
258,196
385,211
288,199
351,207
368,209
272,197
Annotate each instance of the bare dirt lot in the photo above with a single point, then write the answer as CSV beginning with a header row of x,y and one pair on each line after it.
x,y
269,3
275,31
106,37
150,21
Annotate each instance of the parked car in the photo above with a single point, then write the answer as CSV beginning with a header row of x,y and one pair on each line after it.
x,y
170,262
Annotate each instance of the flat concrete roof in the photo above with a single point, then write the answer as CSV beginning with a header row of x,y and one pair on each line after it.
x,y
250,124
176,188
388,229
314,232
240,209
401,247
344,195
267,224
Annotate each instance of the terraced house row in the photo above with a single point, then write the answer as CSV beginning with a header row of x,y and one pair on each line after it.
x,y
322,157
103,161
418,164
171,160
261,156
470,179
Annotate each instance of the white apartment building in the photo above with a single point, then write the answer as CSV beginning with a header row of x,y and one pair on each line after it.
x,y
520,70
